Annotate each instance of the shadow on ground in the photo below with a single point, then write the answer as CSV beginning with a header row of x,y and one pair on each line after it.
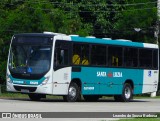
x,y
61,100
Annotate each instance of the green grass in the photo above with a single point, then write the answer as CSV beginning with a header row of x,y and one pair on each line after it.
x,y
13,95
140,97
19,95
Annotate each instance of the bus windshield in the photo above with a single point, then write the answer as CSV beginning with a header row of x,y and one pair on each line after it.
x,y
30,59
30,56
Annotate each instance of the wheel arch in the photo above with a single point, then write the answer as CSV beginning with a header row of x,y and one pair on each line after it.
x,y
129,81
77,81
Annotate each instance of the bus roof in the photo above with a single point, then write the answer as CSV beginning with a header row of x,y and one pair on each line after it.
x,y
93,40
113,42
35,34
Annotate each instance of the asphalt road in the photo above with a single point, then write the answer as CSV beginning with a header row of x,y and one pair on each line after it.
x,y
53,105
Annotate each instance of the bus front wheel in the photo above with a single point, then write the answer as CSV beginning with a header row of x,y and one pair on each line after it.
x,y
127,94
73,93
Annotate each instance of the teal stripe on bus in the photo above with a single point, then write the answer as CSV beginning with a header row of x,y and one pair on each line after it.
x,y
105,41
26,82
108,81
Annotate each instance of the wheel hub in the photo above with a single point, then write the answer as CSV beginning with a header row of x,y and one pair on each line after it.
x,y
127,93
72,92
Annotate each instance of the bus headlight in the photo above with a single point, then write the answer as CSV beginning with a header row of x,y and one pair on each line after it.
x,y
45,81
8,79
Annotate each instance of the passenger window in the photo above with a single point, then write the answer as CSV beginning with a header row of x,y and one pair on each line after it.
x,y
98,55
145,58
115,56
130,57
155,59
80,54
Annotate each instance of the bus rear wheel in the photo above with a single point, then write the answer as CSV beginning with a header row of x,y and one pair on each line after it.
x,y
127,94
73,93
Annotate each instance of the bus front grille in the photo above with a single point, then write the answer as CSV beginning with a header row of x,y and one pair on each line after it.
x,y
30,89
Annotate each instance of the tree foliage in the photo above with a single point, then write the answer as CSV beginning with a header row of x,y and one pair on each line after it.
x,y
139,15
101,18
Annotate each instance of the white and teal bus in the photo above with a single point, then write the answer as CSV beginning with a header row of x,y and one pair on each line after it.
x,y
41,64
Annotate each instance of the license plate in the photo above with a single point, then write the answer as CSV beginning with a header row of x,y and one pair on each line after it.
x,y
24,90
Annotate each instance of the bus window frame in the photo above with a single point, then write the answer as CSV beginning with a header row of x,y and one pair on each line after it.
x,y
107,56
68,47
72,53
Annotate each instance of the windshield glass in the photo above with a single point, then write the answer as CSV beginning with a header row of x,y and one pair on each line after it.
x,y
30,59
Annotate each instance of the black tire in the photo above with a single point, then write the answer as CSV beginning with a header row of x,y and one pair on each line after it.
x,y
35,97
91,98
73,93
127,94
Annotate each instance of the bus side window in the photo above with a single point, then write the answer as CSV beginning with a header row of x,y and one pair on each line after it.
x,y
61,54
155,59
114,61
61,57
115,56
131,57
98,55
56,58
80,54
145,58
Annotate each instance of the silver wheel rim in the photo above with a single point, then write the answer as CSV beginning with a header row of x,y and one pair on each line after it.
x,y
127,92
72,92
